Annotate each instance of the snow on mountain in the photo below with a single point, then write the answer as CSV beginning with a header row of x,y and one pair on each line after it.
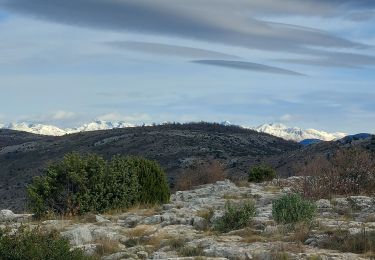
x,y
99,125
279,130
56,131
36,128
226,123
297,134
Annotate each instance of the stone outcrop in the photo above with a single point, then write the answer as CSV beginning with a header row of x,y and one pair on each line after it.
x,y
180,229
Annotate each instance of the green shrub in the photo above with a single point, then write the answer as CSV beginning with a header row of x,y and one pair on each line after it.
x,y
292,208
81,184
72,186
36,245
235,217
261,173
153,185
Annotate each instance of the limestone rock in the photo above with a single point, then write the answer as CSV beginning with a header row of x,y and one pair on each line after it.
x,y
78,236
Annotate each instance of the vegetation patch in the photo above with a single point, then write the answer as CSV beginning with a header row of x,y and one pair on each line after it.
x,y
36,245
292,208
235,216
342,240
261,173
200,173
190,251
347,172
207,214
80,184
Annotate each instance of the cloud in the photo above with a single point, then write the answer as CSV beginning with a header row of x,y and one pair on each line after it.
x,y
289,118
242,65
133,118
227,23
334,59
62,115
170,50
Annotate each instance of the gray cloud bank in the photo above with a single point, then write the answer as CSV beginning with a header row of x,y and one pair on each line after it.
x,y
237,24
217,21
248,66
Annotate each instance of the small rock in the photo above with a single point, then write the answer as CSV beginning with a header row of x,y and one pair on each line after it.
x,y
88,249
362,202
119,255
152,220
312,241
269,230
248,256
355,231
168,206
199,223
7,215
130,221
78,236
142,254
101,219
323,205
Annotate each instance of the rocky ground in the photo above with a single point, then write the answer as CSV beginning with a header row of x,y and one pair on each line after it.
x,y
181,229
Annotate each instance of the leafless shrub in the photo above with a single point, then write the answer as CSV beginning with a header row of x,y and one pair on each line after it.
x,y
200,173
347,172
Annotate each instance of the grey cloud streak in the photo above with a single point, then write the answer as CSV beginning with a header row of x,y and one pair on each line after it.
x,y
242,65
170,50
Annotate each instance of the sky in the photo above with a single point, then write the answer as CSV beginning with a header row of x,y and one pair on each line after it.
x,y
304,63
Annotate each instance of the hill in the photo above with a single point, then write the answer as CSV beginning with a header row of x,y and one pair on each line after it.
x,y
288,162
276,129
174,146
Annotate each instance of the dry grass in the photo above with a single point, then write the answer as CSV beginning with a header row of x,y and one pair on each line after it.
x,y
176,243
249,236
301,232
370,218
314,257
207,214
140,231
106,247
272,189
140,209
190,251
280,252
157,240
342,240
241,183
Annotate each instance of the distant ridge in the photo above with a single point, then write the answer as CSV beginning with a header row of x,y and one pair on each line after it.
x,y
276,129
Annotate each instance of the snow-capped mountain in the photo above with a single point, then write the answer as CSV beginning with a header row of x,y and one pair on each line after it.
x,y
99,125
226,123
56,131
297,134
36,128
279,130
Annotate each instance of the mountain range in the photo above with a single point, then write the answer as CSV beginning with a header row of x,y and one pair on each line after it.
x,y
175,146
42,129
275,129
